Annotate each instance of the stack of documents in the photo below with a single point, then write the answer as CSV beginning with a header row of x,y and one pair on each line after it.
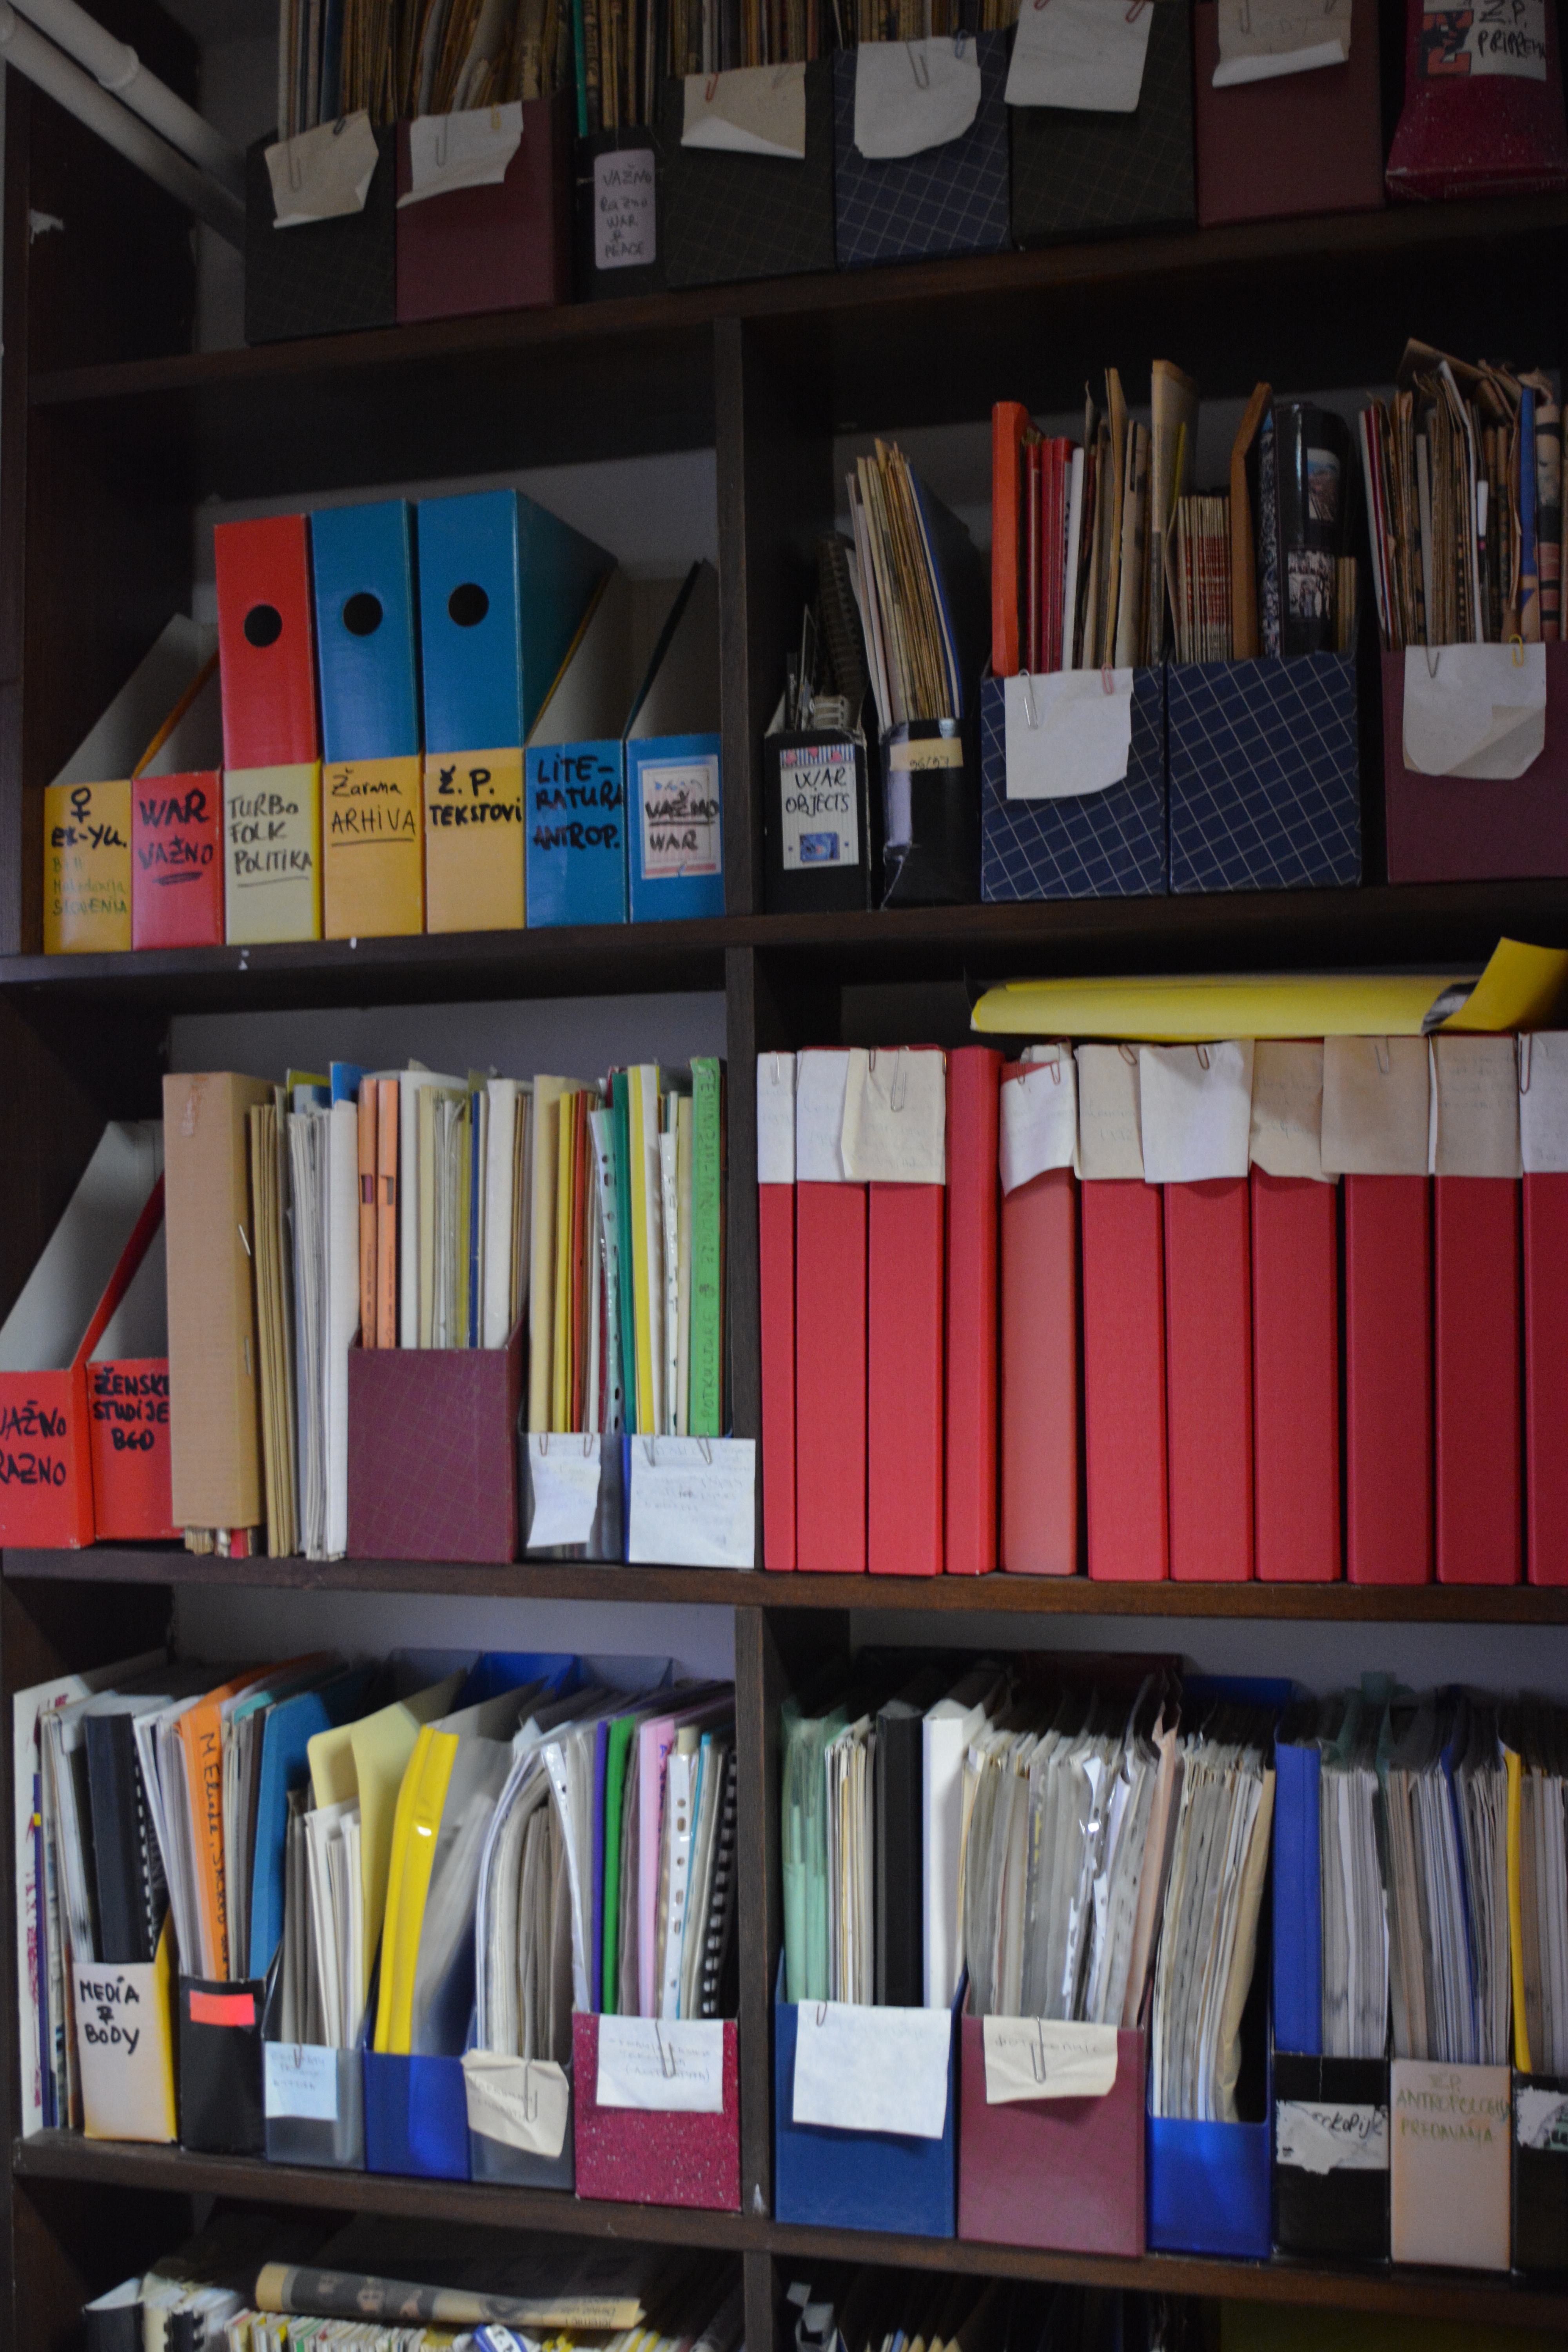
x,y
907,570
1445,1794
1537,1758
1354,1908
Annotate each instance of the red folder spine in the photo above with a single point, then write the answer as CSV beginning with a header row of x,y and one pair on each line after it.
x,y
1388,1380
904,1380
1296,1379
1124,1381
266,642
1546,1376
1039,1376
1208,1378
1475,1255
776,1222
830,1377
974,1202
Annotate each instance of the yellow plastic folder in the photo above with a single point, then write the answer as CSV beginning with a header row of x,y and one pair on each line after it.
x,y
1521,988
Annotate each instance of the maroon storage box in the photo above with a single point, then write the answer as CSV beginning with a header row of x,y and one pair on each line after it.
x,y
502,249
634,2157
1062,2173
1470,829
433,1452
1297,143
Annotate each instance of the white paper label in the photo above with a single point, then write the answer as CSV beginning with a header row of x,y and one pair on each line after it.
x,y
626,227
1108,1132
680,819
1474,710
1083,53
819,829
1038,1127
1067,733
1259,39
1540,2119
524,2102
1375,1105
471,149
1499,37
301,2081
1041,2058
1317,2137
323,174
664,2065
563,1473
895,1117
693,1502
1543,1102
1476,1106
912,95
755,110
1196,1107
1288,1107
872,2069
775,1118
820,1086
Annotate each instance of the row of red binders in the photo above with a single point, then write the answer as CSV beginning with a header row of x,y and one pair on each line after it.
x,y
1291,1309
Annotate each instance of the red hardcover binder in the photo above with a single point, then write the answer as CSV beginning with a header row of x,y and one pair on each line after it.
x,y
1546,1377
1476,1291
830,1377
974,1203
904,1379
775,1261
1039,1376
1208,1378
1388,1380
1295,1379
1124,1379
266,642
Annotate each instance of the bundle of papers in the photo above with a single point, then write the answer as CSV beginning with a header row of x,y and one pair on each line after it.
x,y
904,543
1354,1909
1445,1789
404,58
1208,1937
1537,1758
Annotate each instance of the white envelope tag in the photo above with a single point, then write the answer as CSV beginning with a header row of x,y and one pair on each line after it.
x,y
626,226
755,110
1083,53
1287,1134
912,95
664,2065
1477,1090
821,1080
1067,733
1474,710
564,1472
1376,1101
1041,2058
323,174
1540,2119
1039,1119
1196,1107
461,151
1543,1102
1109,1142
693,1502
300,2080
872,2069
775,1118
1322,2138
1260,39
895,1117
521,2101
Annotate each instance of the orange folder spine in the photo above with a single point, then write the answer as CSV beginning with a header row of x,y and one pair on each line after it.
x,y
1208,1378
367,1149
386,1214
903,1380
1039,1375
1296,1378
1009,421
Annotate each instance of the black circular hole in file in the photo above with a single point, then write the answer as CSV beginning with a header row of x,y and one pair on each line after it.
x,y
362,615
263,625
467,605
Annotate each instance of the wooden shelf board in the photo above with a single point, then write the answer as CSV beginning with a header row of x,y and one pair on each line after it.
x,y
1425,2294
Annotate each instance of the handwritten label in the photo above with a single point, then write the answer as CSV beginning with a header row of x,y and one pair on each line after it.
x,y
680,819
87,894
1069,733
1543,1102
1041,2058
123,2049
473,794
822,1082
524,2102
1260,39
775,1118
324,173
895,1117
1086,55
1474,710
1540,2119
1477,1106
271,826
1313,2138
913,95
818,806
301,2081
28,1433
1376,1105
693,1502
872,2069
367,801
564,1479
1110,1137
575,800
624,209
1496,36
1038,1127
134,1405
1450,2107
1286,1137
1196,1106
470,150
664,2065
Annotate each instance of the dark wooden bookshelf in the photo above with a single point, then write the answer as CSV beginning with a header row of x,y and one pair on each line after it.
x,y
113,433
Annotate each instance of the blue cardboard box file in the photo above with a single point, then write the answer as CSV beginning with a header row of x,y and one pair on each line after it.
x,y
867,2179
674,793
575,773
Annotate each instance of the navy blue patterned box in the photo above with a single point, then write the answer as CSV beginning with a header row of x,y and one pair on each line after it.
x,y
950,199
1109,844
1264,779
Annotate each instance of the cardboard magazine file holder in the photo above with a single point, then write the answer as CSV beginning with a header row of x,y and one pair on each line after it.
x,y
1506,824
1097,844
1448,2174
128,1406
520,2118
549,1477
1288,145
1058,2171
312,2096
675,793
1265,779
433,1452
321,277
1483,105
729,213
1209,2188
1330,2155
48,1340
575,763
923,199
690,1502
415,2113
817,843
1540,2172
222,2107
931,814
1078,174
124,2016
506,245
673,2135
616,233
871,2178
